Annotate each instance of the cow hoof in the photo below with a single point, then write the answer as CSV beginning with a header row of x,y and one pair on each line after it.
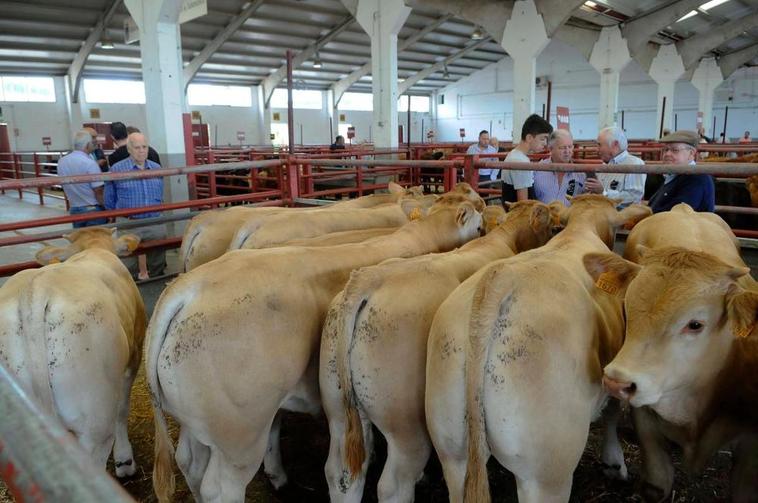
x,y
125,468
277,480
615,472
651,493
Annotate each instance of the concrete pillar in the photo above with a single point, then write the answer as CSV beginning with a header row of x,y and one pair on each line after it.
x,y
382,20
161,51
610,55
73,111
665,70
264,117
331,113
524,39
706,79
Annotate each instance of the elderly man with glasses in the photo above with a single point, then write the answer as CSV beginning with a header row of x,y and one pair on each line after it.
x,y
697,190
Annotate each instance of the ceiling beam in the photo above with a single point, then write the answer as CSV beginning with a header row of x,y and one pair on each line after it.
x,y
236,23
273,80
342,85
77,65
693,48
641,29
555,13
729,63
409,82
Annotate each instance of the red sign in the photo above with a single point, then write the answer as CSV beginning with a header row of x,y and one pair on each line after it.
x,y
46,141
351,132
241,136
462,132
563,117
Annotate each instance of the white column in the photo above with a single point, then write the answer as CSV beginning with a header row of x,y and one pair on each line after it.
x,y
264,117
609,56
706,79
161,51
524,39
665,70
382,20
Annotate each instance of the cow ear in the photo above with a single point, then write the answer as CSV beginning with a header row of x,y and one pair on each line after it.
x,y
53,254
559,212
126,244
742,308
394,188
493,216
465,213
540,218
611,273
413,209
631,215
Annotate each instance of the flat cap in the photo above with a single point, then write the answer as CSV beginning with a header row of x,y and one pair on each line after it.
x,y
683,136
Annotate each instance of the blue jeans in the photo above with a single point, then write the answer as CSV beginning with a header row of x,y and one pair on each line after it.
x,y
78,210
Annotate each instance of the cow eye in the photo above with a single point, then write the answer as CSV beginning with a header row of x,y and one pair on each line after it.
x,y
694,326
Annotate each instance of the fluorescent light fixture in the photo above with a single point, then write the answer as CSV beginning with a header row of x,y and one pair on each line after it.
x,y
712,4
106,43
478,34
590,4
687,16
317,62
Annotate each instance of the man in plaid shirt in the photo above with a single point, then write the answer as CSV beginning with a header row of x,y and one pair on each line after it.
x,y
137,193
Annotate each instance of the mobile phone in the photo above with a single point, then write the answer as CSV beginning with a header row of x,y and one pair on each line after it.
x,y
591,175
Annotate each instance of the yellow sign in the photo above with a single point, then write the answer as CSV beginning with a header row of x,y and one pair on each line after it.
x,y
276,116
343,118
94,113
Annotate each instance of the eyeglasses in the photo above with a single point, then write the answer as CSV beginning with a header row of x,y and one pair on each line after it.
x,y
676,150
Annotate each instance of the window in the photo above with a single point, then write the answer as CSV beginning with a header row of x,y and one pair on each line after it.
x,y
207,95
38,89
300,99
280,134
114,91
357,101
418,104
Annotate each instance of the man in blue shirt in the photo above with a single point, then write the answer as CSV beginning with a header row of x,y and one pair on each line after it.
x,y
484,147
82,197
137,193
697,190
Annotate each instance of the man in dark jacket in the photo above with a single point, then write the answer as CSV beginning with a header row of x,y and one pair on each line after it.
x,y
697,190
120,132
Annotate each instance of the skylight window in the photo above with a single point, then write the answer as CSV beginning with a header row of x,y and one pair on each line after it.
x,y
712,4
687,16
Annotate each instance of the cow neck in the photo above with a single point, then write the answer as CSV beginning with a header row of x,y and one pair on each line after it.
x,y
506,235
587,224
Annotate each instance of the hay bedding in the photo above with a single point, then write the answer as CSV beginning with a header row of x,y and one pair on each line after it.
x,y
305,445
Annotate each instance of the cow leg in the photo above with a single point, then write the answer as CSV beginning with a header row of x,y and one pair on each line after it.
x,y
342,487
123,457
225,479
657,470
407,455
745,471
613,455
192,458
97,446
272,461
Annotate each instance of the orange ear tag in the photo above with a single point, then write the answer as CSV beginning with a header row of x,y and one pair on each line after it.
x,y
55,260
415,214
608,283
744,332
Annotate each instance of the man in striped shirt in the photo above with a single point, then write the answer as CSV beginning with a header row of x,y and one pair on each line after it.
x,y
137,193
552,186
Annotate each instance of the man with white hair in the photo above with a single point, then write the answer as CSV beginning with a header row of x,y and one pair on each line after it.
x,y
552,186
137,193
82,197
629,188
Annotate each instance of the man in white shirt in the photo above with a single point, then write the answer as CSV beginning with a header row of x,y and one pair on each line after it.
x,y
517,183
630,187
82,197
484,147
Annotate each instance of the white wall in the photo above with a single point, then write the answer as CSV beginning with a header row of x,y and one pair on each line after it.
x,y
486,95
29,122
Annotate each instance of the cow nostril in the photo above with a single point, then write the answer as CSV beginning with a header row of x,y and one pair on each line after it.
x,y
629,390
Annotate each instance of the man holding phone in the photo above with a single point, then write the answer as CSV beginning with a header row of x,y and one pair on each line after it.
x,y
629,187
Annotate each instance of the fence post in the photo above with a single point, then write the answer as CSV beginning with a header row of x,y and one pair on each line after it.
x,y
17,172
38,174
469,171
293,179
212,176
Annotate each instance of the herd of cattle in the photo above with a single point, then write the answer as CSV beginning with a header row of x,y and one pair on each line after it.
x,y
390,310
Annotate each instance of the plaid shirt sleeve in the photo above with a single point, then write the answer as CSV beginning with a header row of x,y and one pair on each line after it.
x,y
137,193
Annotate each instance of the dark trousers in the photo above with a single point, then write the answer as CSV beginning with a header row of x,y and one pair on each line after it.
x,y
78,210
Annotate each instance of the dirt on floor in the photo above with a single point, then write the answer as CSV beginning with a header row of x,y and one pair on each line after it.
x,y
305,445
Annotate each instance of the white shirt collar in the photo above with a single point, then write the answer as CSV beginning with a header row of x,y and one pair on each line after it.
x,y
671,176
619,158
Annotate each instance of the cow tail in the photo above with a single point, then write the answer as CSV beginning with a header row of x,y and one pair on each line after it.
x,y
188,242
490,296
355,298
166,309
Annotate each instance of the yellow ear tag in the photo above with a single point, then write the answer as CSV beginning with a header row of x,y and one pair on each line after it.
x,y
744,332
492,223
415,214
55,260
608,283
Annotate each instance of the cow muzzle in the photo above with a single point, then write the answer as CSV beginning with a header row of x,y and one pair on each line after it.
x,y
619,389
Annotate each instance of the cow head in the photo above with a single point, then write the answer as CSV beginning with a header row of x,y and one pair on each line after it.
x,y
399,190
534,223
684,311
752,187
493,216
600,212
470,194
88,238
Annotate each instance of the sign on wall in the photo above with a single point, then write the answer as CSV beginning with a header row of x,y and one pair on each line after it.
x,y
351,132
240,136
462,132
276,116
342,118
562,114
47,141
94,113
196,115
699,121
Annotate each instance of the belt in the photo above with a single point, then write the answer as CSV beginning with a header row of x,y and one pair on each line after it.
x,y
90,206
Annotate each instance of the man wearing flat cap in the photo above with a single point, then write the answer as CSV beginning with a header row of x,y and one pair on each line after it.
x,y
697,190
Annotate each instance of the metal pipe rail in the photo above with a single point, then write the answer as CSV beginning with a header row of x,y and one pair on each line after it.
x,y
40,460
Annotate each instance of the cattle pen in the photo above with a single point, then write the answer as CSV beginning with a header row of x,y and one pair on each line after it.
x,y
290,180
